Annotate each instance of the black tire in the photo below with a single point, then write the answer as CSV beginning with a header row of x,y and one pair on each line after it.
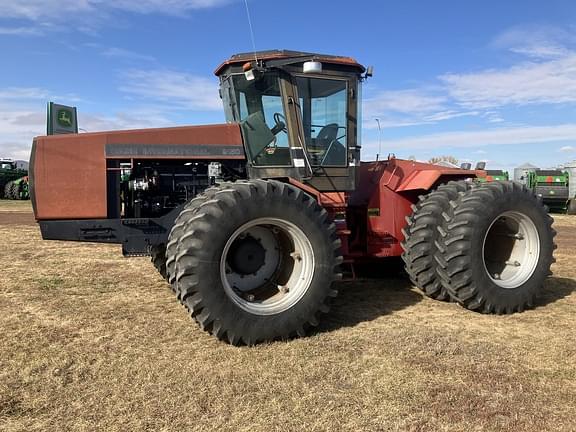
x,y
176,233
571,210
158,258
15,192
495,248
420,237
8,190
205,290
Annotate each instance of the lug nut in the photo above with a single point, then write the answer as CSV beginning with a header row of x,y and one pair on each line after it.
x,y
296,256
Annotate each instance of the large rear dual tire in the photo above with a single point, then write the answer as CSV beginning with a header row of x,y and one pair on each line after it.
x,y
421,234
492,247
495,248
254,261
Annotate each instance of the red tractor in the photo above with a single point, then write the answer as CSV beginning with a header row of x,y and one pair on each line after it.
x,y
252,220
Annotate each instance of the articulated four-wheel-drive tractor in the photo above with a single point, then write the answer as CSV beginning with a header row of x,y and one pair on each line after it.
x,y
252,221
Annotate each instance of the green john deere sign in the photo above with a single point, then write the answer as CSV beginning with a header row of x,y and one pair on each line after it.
x,y
61,119
65,118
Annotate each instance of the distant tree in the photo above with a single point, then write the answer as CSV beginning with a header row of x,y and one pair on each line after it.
x,y
437,159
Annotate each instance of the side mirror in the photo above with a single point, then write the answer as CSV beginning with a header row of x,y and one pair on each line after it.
x,y
369,72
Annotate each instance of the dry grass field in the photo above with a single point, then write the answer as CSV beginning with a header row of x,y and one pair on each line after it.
x,y
91,341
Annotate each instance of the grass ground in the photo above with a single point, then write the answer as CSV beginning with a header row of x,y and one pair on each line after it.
x,y
91,341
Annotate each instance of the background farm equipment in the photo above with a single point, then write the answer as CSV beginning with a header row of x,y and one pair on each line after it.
x,y
553,187
13,181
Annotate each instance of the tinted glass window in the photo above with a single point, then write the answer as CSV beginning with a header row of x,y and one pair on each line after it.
x,y
261,114
324,104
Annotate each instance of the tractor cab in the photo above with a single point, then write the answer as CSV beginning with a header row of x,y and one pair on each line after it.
x,y
7,164
298,114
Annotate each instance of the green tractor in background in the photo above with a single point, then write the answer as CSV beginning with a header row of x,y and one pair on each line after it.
x,y
553,187
13,181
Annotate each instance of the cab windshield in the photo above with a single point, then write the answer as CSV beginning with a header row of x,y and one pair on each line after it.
x,y
257,105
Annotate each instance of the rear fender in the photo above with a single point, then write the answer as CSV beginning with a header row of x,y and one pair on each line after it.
x,y
429,179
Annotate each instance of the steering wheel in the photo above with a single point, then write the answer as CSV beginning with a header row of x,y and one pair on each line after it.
x,y
328,133
280,123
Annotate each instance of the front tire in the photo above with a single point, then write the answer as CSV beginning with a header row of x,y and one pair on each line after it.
x,y
256,262
495,248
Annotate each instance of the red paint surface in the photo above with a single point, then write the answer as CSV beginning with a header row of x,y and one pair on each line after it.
x,y
70,170
377,210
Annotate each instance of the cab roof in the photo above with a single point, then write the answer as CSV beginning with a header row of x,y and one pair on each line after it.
x,y
241,58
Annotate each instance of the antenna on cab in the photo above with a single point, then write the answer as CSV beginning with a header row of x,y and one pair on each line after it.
x,y
251,30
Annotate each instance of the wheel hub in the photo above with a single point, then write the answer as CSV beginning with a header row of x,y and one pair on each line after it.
x,y
246,256
267,266
511,249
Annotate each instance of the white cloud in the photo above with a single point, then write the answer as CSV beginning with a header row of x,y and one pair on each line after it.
x,y
401,108
447,115
42,10
546,75
121,53
48,10
403,101
51,14
537,42
20,31
490,137
172,7
19,93
567,149
549,82
174,89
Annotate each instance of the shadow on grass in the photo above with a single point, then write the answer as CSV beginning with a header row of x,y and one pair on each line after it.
x,y
555,288
382,290
378,290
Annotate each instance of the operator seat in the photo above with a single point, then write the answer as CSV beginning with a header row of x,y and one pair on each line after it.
x,y
335,151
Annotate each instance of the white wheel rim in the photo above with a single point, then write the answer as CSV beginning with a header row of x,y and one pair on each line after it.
x,y
511,249
280,280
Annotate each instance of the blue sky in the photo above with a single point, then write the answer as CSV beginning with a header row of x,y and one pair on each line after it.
x,y
489,80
